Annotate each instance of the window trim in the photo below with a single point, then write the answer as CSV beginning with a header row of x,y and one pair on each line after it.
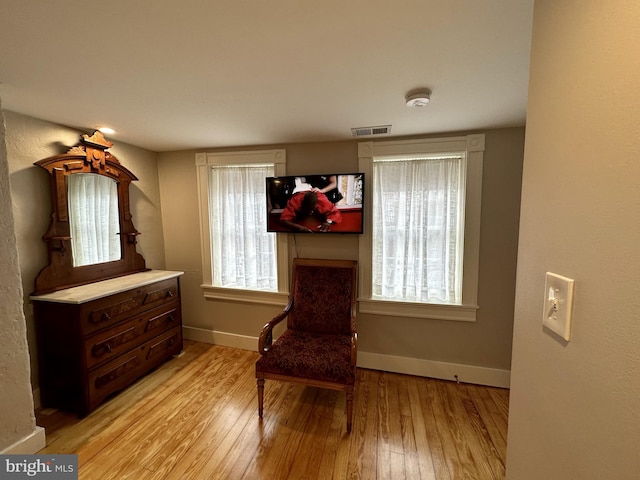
x,y
472,146
204,161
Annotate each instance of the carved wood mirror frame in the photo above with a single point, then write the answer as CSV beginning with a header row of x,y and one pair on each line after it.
x,y
90,157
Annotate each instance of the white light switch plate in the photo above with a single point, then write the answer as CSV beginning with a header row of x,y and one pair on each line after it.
x,y
558,304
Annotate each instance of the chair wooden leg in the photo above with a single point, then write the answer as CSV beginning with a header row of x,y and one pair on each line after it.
x,y
260,396
349,393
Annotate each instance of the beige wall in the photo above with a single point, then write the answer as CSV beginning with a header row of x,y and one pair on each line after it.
x,y
575,407
29,140
486,343
17,420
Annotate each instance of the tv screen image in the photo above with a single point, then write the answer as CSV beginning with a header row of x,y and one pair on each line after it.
x,y
330,203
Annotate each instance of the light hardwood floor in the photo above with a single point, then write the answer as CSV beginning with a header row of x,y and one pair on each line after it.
x,y
196,417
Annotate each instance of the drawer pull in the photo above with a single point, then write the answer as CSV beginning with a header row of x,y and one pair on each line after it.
x,y
116,341
101,349
113,311
159,295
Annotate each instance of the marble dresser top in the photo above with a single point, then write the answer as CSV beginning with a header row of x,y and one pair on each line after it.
x,y
105,288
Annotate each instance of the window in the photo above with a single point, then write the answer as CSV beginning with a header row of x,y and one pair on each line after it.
x,y
419,254
241,260
418,229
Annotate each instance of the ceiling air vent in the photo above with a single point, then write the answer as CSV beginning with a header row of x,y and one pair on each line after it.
x,y
364,131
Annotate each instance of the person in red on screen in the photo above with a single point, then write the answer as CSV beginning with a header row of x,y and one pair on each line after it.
x,y
305,205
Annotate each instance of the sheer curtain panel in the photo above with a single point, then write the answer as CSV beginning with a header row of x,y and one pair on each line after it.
x,y
93,218
418,229
243,253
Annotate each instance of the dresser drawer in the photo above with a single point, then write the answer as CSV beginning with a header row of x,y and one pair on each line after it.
x,y
108,344
106,312
123,370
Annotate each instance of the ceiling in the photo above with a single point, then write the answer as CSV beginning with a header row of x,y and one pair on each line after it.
x,y
169,75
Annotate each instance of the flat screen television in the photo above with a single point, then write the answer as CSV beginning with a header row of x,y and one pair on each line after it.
x,y
331,203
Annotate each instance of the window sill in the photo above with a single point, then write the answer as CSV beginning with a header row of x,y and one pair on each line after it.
x,y
458,313
245,296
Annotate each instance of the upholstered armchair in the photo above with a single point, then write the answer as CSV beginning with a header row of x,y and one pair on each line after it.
x,y
319,346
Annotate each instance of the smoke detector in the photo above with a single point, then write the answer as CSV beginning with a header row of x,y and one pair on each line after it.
x,y
418,98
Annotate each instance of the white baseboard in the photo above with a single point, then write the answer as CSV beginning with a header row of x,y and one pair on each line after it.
x,y
220,338
376,361
28,445
432,369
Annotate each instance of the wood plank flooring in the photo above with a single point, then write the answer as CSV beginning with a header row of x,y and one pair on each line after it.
x,y
196,417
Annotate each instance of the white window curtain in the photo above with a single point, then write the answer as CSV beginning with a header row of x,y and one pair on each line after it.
x,y
93,219
418,216
243,253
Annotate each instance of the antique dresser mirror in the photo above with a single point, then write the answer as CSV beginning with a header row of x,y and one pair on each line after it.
x,y
91,236
102,318
94,219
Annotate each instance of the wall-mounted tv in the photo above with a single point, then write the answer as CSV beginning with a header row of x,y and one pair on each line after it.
x,y
330,203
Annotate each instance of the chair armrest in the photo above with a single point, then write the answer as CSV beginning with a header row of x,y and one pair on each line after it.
x,y
354,348
266,335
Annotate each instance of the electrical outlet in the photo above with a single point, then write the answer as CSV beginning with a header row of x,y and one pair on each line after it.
x,y
558,304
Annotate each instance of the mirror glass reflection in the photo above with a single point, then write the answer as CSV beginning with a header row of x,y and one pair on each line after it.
x,y
94,219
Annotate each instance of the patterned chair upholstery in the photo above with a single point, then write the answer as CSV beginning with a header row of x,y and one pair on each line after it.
x,y
319,346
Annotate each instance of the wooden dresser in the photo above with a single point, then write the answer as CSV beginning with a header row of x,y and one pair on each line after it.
x,y
95,339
